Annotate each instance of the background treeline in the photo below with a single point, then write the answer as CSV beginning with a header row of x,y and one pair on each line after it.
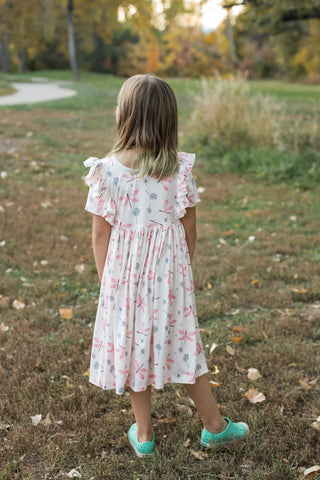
x,y
268,39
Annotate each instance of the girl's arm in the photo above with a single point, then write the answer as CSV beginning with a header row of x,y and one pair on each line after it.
x,y
100,241
189,224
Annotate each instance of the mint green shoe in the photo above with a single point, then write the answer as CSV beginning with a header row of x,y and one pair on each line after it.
x,y
233,431
144,449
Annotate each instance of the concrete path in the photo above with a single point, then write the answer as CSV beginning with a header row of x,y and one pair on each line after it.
x,y
35,93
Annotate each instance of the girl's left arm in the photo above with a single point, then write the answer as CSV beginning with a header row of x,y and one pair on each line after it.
x,y
101,231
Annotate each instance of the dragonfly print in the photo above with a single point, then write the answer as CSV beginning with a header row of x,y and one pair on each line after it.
x,y
165,182
140,370
129,198
171,297
143,330
185,335
97,343
188,311
141,303
166,208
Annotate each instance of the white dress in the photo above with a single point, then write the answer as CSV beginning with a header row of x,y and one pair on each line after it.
x,y
146,328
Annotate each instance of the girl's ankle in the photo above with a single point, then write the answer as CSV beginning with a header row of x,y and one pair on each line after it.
x,y
145,436
216,427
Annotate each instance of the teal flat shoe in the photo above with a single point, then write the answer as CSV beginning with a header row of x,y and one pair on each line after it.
x,y
144,449
233,431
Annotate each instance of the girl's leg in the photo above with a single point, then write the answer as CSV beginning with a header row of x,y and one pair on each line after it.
x,y
201,394
141,405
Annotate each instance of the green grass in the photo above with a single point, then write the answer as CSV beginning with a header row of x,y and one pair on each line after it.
x,y
269,285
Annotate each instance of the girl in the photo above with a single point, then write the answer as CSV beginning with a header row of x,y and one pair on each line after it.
x,y
143,199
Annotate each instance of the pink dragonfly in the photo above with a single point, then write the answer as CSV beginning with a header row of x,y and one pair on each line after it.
x,y
143,330
140,370
166,208
182,270
111,347
97,343
120,257
153,316
191,288
182,241
199,348
171,297
164,183
168,275
122,351
109,257
188,311
130,177
153,376
128,334
185,335
192,376
123,372
168,362
129,198
141,303
171,321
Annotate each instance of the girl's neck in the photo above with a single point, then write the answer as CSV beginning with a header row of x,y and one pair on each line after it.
x,y
126,156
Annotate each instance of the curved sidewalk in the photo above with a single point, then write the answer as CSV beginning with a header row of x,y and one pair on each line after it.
x,y
36,93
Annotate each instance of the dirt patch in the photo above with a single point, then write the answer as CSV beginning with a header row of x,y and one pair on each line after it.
x,y
12,145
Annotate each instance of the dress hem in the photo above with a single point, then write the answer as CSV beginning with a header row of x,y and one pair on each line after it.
x,y
156,386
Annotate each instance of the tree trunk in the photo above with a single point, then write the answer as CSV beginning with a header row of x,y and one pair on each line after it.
x,y
231,39
5,53
71,41
22,59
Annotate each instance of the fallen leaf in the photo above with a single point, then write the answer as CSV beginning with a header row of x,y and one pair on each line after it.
x,y
254,374
302,291
86,374
74,474
251,238
254,396
216,370
47,420
187,443
44,263
66,313
230,350
209,286
80,268
201,189
227,233
4,301
3,328
18,305
213,347
240,329
199,455
316,424
36,419
304,384
255,282
236,339
37,362
312,472
185,408
214,384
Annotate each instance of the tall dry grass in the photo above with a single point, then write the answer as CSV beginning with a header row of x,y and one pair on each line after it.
x,y
228,115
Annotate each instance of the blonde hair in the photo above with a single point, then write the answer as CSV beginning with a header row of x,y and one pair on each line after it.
x,y
148,121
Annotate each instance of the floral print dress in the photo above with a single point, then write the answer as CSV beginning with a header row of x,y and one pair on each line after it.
x,y
146,330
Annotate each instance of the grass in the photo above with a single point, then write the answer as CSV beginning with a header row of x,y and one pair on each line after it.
x,y
269,284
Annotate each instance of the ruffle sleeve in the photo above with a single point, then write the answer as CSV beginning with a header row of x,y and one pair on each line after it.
x,y
99,201
187,194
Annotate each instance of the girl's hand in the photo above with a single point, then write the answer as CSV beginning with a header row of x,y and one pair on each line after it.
x,y
101,231
189,224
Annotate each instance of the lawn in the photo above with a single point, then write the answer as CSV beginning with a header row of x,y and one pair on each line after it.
x,y
256,272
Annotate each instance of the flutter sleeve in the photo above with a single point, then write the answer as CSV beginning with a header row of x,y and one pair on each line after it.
x,y
187,194
99,201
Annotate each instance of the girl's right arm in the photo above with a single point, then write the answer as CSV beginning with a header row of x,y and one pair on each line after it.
x,y
189,224
100,241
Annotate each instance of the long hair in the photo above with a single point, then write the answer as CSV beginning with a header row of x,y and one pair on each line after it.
x,y
148,121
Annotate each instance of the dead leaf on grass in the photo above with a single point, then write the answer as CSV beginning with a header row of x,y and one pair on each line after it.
x,y
4,302
312,472
36,419
74,474
301,291
213,347
240,329
216,370
254,374
254,396
3,328
209,286
305,385
18,305
66,313
236,339
187,443
185,408
214,384
230,350
80,268
47,420
86,374
199,455
316,424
